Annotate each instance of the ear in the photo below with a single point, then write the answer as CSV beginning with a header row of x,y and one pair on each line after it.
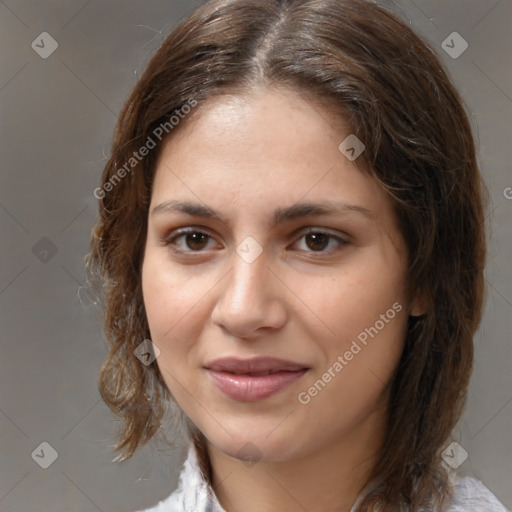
x,y
419,303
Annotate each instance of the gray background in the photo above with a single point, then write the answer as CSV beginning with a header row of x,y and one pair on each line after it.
x,y
57,116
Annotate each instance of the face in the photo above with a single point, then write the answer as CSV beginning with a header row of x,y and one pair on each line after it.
x,y
269,251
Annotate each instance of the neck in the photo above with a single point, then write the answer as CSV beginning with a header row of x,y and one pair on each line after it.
x,y
329,477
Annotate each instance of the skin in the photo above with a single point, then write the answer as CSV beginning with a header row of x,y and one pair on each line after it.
x,y
299,300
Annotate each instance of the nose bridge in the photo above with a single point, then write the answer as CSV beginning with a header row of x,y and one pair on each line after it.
x,y
247,286
248,299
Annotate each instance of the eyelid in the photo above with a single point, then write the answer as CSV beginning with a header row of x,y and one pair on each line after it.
x,y
341,239
326,231
297,236
185,231
177,233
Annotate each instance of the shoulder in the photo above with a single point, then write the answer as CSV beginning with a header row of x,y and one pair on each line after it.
x,y
472,495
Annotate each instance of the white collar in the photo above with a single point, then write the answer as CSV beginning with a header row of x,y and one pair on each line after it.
x,y
194,493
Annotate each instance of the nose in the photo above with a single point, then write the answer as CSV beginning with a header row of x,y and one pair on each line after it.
x,y
251,301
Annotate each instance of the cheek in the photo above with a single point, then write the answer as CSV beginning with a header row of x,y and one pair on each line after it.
x,y
170,296
356,298
164,306
176,309
365,310
352,380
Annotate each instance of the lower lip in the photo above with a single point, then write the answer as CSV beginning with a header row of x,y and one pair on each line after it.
x,y
249,388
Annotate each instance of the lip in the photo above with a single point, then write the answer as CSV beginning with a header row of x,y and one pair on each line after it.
x,y
252,380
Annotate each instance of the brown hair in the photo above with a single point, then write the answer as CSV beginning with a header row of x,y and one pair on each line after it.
x,y
390,87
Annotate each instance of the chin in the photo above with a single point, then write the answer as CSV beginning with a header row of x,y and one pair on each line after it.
x,y
252,443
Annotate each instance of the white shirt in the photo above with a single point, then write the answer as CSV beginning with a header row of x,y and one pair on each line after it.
x,y
195,495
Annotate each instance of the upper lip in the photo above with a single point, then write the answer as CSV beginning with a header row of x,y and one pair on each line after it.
x,y
254,365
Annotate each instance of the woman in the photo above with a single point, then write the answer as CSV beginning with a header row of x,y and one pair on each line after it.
x,y
292,213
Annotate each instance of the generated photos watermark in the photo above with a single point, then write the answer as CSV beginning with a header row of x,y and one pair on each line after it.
x,y
158,134
304,397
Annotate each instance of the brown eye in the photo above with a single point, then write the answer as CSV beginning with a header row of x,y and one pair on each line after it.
x,y
189,240
320,241
317,241
196,241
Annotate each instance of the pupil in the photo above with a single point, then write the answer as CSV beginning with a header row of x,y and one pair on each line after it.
x,y
196,240
319,241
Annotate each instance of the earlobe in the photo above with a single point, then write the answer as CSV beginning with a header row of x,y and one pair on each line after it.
x,y
419,304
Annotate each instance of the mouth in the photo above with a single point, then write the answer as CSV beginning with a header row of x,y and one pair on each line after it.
x,y
252,380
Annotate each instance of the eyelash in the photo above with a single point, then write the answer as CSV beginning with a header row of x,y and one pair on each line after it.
x,y
180,233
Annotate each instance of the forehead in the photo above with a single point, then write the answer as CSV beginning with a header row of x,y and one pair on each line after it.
x,y
272,119
273,146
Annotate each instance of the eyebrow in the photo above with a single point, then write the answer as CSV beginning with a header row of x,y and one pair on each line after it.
x,y
280,215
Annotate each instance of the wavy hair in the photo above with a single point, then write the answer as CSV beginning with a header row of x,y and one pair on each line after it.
x,y
364,62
